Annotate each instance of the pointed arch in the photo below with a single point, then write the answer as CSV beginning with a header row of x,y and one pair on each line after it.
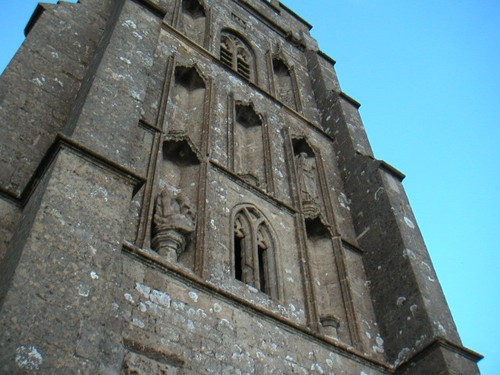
x,y
283,79
283,83
237,53
254,250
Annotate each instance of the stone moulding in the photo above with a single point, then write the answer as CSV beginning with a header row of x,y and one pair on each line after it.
x,y
153,259
391,170
62,141
174,222
237,179
437,343
350,99
215,60
150,258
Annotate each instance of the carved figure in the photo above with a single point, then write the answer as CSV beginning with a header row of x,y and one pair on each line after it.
x,y
173,222
306,170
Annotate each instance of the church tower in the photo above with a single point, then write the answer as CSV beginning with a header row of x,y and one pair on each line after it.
x,y
186,189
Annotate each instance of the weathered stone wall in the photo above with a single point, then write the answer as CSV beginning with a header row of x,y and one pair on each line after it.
x,y
61,292
205,332
39,87
9,217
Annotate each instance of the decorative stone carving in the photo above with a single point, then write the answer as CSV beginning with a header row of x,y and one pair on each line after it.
x,y
330,325
173,222
306,170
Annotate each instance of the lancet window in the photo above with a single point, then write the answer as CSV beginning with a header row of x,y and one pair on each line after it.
x,y
254,261
236,54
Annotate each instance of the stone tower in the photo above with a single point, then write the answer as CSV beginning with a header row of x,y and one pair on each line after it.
x,y
185,189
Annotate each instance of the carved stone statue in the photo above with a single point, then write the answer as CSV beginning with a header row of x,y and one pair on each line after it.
x,y
173,222
306,170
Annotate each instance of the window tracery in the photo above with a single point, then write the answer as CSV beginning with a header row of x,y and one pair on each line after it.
x,y
236,54
254,260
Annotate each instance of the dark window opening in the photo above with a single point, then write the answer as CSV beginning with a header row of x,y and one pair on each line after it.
x,y
262,256
254,251
238,258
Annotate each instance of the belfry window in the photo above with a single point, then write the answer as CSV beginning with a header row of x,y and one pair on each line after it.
x,y
236,54
254,260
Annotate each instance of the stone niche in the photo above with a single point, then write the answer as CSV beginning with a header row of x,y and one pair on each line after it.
x,y
308,178
325,279
283,83
187,104
175,217
193,20
248,159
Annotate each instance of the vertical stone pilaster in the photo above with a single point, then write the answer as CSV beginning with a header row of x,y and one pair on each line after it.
x,y
408,301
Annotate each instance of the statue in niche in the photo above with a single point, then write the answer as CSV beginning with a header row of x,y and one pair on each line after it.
x,y
173,222
306,170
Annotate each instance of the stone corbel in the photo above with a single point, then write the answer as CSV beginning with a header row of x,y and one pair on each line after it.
x,y
173,223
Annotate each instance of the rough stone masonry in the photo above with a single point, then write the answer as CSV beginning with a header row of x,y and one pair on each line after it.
x,y
185,189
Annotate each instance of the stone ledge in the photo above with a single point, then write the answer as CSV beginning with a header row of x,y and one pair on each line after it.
x,y
386,167
355,248
295,15
266,196
37,13
64,142
133,178
383,165
350,100
437,343
326,57
10,196
149,257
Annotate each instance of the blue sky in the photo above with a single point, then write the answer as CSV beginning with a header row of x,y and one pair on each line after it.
x,y
427,76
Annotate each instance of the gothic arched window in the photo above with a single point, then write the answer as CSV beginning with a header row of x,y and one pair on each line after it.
x,y
254,258
236,54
